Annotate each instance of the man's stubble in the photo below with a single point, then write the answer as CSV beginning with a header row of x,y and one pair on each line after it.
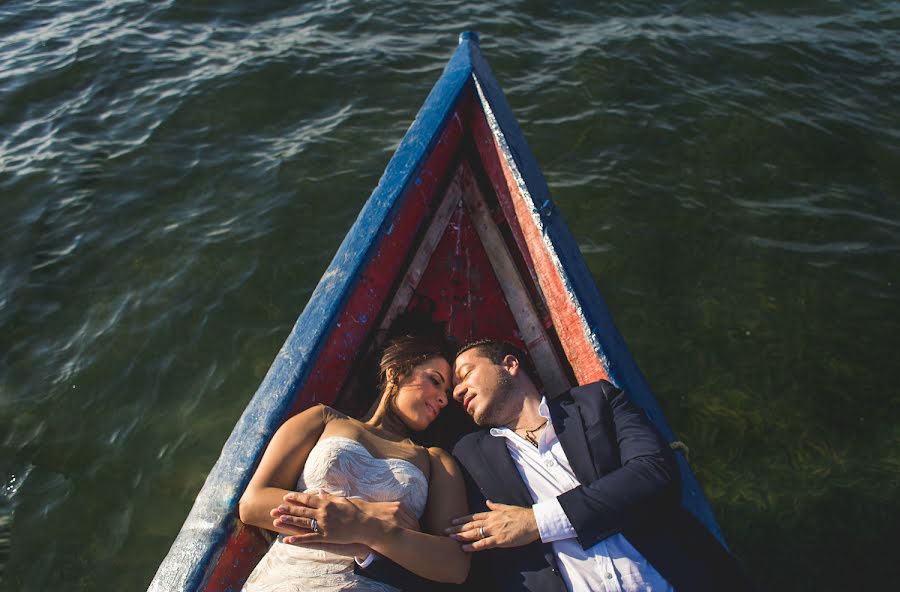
x,y
500,411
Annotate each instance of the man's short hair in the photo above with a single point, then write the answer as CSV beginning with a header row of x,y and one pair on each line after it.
x,y
495,351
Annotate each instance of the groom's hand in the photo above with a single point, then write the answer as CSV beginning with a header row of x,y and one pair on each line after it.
x,y
503,526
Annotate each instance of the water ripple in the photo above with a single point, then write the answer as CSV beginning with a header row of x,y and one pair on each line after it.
x,y
837,248
176,176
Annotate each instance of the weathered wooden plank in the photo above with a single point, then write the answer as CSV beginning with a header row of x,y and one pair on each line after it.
x,y
531,328
450,201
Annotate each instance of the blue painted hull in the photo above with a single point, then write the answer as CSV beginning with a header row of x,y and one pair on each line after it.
x,y
464,119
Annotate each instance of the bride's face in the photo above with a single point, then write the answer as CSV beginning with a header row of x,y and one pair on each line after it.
x,y
423,393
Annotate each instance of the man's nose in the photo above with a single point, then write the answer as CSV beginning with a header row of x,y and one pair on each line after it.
x,y
458,392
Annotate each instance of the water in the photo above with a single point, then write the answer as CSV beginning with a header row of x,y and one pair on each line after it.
x,y
176,176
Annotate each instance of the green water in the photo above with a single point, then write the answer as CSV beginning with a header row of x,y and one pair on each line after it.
x,y
176,176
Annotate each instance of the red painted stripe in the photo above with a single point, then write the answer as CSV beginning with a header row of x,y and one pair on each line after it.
x,y
490,159
578,349
240,555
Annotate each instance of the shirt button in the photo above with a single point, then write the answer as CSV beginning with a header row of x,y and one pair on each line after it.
x,y
549,463
608,576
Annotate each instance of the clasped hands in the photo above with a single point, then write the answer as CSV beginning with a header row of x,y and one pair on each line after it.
x,y
343,520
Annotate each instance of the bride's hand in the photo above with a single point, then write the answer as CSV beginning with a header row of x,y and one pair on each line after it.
x,y
392,513
338,520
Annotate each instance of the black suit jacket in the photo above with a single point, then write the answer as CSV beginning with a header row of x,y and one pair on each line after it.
x,y
629,484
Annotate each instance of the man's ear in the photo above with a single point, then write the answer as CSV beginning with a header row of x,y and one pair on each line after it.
x,y
511,363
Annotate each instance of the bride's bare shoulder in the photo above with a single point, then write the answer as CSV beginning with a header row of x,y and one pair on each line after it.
x,y
313,417
330,413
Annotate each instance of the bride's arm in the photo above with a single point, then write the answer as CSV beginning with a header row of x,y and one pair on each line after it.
x,y
428,554
280,468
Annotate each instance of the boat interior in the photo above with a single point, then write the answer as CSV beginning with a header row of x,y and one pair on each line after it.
x,y
459,249
467,273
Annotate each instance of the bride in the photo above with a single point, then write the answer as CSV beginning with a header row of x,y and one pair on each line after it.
x,y
336,488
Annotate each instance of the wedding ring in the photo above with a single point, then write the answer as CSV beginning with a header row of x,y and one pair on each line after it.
x,y
314,525
481,532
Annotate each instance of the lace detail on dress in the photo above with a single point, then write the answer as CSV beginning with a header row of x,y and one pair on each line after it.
x,y
345,467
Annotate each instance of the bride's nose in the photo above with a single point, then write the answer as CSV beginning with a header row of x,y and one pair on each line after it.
x,y
442,399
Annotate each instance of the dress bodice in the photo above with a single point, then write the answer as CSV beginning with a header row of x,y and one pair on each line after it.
x,y
342,466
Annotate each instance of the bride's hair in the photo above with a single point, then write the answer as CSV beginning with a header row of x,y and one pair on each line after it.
x,y
405,352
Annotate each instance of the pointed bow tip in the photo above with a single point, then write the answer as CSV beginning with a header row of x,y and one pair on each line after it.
x,y
468,36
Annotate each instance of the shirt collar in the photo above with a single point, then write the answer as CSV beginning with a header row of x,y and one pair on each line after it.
x,y
544,408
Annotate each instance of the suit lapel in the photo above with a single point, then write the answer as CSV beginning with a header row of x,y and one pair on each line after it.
x,y
570,431
499,473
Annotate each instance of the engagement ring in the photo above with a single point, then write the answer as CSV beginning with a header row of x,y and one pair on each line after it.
x,y
314,525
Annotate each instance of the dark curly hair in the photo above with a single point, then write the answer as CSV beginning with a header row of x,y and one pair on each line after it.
x,y
405,352
495,351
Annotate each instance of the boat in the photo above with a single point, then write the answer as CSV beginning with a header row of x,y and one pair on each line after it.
x,y
461,225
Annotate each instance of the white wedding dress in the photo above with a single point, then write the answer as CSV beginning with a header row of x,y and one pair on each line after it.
x,y
344,467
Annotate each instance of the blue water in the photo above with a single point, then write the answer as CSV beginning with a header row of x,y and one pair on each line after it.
x,y
175,177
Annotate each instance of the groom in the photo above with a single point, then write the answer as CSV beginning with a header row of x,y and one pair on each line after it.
x,y
577,492
570,493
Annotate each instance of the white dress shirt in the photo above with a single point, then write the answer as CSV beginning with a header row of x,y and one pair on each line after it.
x,y
613,564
